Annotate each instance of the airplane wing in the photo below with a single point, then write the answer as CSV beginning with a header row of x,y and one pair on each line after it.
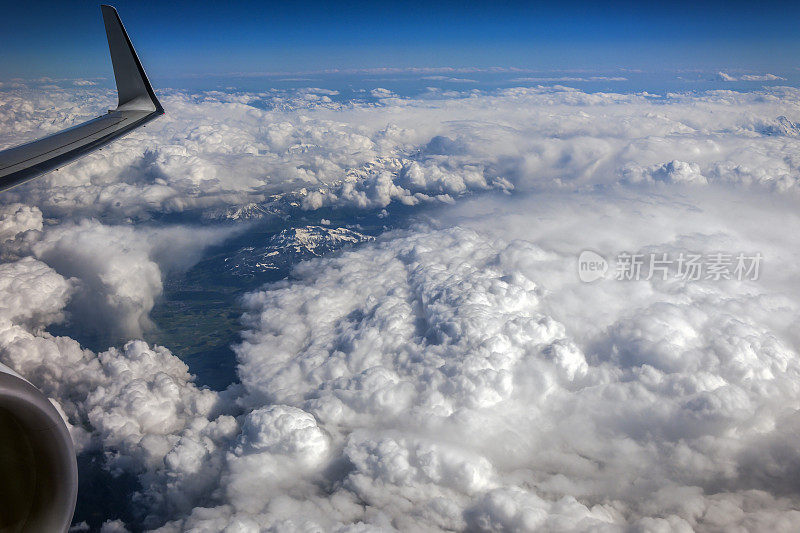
x,y
137,106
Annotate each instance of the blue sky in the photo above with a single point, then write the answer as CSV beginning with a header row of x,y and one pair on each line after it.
x,y
60,39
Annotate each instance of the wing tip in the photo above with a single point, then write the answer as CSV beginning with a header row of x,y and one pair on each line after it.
x,y
114,26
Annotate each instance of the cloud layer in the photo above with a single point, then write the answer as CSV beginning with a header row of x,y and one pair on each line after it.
x,y
455,374
219,149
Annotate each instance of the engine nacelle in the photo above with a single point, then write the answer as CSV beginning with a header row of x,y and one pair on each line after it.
x,y
38,467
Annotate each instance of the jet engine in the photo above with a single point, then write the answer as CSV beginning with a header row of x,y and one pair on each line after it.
x,y
38,468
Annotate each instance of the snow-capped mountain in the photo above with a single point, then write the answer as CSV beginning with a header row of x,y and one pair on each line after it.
x,y
291,246
782,126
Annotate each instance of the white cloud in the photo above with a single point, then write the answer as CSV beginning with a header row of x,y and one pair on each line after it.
x,y
474,382
761,77
32,292
453,375
723,76
672,172
138,403
546,79
19,227
449,79
217,149
380,92
119,268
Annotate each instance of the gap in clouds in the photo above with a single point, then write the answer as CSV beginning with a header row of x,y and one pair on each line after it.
x,y
199,314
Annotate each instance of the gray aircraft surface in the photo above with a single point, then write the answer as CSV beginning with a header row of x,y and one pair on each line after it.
x,y
38,467
137,106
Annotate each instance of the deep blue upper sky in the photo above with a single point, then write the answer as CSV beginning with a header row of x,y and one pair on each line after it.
x,y
182,38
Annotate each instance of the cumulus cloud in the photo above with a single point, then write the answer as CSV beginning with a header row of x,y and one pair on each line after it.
x,y
380,92
237,148
723,76
119,268
137,403
462,377
671,172
18,218
761,77
32,292
452,375
20,226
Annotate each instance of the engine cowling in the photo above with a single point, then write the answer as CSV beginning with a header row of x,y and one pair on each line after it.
x,y
38,467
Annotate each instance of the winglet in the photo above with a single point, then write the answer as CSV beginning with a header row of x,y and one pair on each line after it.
x,y
133,88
